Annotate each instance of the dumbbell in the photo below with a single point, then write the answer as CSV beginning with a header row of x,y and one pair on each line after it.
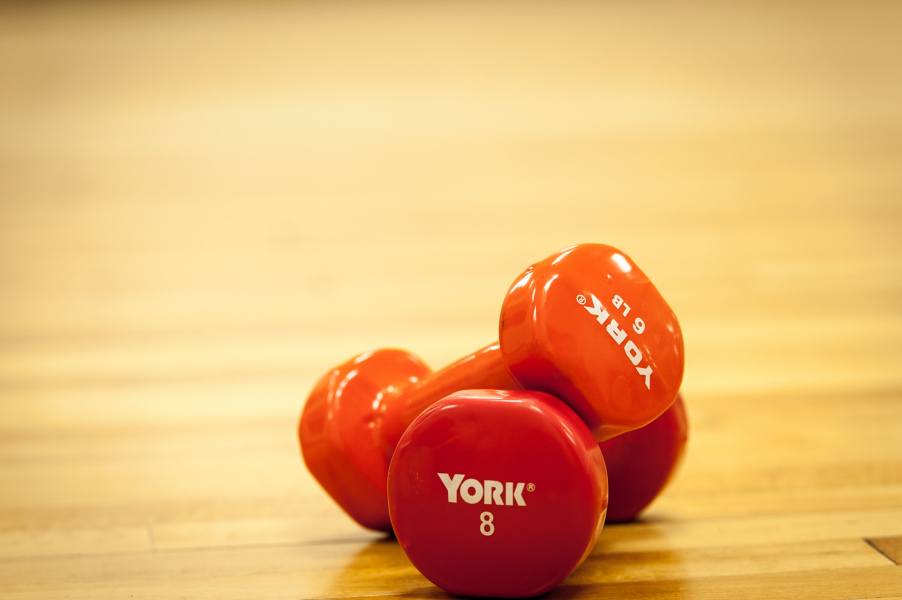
x,y
640,463
497,493
585,325
480,513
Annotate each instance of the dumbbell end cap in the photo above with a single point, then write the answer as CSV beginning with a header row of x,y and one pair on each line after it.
x,y
340,431
588,326
497,493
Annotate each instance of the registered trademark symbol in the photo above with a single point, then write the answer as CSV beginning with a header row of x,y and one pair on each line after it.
x,y
581,299
531,487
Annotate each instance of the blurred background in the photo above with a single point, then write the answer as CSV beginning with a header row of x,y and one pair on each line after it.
x,y
326,175
206,205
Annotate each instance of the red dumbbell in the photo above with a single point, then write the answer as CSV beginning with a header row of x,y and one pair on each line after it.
x,y
497,493
585,325
464,459
642,462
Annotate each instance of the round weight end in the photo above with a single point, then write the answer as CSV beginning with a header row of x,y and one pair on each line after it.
x,y
588,326
497,493
642,462
340,431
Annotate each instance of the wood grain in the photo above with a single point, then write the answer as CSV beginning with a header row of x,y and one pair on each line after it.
x,y
204,206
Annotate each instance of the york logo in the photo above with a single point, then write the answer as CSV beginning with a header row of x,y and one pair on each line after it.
x,y
487,491
620,335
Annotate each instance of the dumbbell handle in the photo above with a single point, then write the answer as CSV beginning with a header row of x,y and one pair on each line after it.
x,y
483,369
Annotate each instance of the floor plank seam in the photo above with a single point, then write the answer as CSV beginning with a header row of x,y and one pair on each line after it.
x,y
880,550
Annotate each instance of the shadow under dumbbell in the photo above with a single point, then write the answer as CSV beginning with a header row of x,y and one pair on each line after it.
x,y
616,568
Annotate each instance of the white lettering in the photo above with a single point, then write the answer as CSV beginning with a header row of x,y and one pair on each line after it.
x,y
632,350
493,492
451,484
618,334
518,495
639,325
486,527
647,372
618,302
471,491
633,353
488,491
597,309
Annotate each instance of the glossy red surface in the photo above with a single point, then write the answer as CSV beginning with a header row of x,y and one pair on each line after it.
x,y
356,414
340,433
588,326
525,447
642,462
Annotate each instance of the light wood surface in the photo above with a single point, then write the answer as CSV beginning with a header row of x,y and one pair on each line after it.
x,y
205,206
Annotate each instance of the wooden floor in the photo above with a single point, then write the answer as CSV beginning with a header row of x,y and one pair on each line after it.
x,y
203,207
